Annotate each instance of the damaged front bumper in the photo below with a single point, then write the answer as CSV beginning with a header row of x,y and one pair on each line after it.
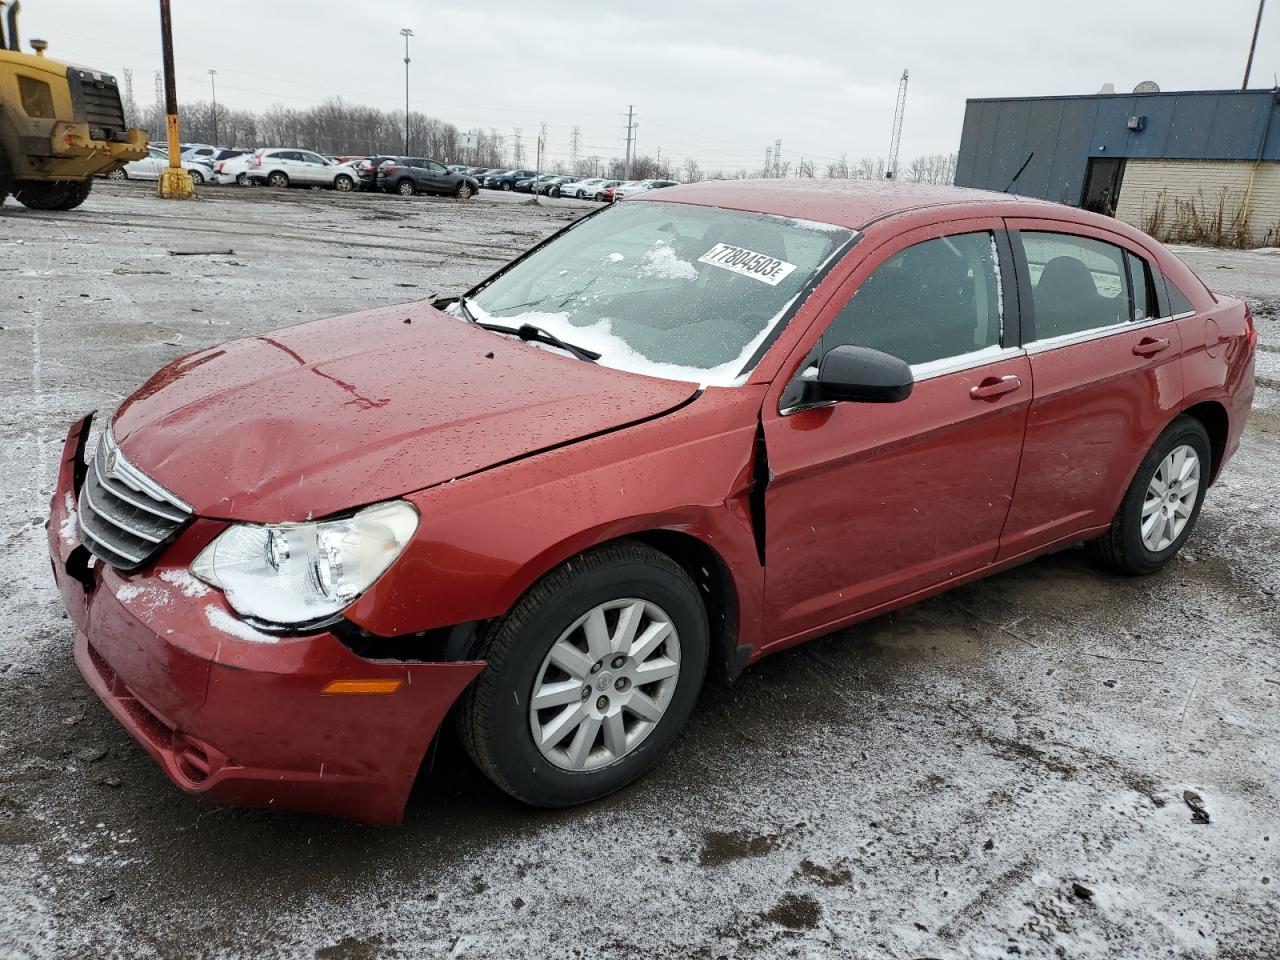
x,y
231,713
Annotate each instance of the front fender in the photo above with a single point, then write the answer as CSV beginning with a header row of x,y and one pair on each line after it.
x,y
484,540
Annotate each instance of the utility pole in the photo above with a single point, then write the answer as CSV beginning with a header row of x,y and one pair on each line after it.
x,y
175,183
542,146
631,132
213,89
406,33
517,155
1253,45
895,139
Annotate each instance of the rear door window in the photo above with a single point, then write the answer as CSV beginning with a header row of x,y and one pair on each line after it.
x,y
934,300
1077,283
1144,303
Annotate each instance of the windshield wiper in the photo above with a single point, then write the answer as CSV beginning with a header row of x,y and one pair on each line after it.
x,y
527,331
462,305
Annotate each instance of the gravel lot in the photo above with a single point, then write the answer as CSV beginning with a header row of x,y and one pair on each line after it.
x,y
996,772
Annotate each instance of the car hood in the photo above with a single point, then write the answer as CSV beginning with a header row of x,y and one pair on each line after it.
x,y
333,414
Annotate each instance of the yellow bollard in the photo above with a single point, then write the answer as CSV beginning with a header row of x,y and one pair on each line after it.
x,y
175,183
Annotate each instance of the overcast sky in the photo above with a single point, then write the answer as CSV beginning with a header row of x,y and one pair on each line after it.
x,y
718,79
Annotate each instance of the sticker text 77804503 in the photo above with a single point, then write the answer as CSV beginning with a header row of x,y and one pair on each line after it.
x,y
758,266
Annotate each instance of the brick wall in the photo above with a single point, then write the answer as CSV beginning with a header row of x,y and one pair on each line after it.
x,y
1202,201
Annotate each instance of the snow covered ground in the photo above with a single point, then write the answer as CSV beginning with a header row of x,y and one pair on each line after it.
x,y
1002,771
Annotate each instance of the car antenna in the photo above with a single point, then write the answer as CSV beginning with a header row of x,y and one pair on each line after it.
x,y
1019,173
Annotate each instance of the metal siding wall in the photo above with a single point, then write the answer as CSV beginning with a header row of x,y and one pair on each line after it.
x,y
1234,130
966,157
1071,158
1007,151
1153,140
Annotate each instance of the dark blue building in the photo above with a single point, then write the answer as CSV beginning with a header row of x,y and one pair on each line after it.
x,y
1083,150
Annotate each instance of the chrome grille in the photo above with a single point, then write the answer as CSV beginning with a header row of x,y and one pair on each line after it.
x,y
125,517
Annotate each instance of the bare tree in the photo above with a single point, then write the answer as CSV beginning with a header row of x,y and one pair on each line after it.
x,y
690,172
805,170
839,169
932,168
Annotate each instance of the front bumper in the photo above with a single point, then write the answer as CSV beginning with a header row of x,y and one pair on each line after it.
x,y
232,714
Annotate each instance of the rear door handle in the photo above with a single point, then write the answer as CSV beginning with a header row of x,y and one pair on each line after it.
x,y
1150,346
992,388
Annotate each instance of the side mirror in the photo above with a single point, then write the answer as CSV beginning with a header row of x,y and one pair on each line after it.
x,y
860,375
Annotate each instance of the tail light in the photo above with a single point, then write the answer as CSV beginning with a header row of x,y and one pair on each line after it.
x,y
217,167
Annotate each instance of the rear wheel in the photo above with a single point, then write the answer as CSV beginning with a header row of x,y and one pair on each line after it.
x,y
52,194
406,188
591,676
464,191
1162,503
278,178
242,179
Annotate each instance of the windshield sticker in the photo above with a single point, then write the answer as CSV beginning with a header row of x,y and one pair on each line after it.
x,y
758,266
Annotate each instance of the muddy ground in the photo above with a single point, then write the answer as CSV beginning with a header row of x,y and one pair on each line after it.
x,y
998,772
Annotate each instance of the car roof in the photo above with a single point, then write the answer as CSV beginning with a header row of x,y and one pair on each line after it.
x,y
845,203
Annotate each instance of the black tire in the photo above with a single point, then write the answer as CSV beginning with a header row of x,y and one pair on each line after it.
x,y
53,194
242,180
464,191
118,174
406,188
599,198
580,195
1122,548
554,191
506,187
278,178
343,183
196,177
493,715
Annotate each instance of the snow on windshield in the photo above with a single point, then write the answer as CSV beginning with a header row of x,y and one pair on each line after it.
x,y
668,290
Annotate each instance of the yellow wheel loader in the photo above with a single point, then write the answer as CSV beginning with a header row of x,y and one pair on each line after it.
x,y
60,125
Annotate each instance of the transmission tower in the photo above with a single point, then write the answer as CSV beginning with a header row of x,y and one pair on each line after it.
x,y
891,169
777,158
575,139
517,149
631,139
768,161
159,90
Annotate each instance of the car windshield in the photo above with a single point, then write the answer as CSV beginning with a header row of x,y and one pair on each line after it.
x,y
667,289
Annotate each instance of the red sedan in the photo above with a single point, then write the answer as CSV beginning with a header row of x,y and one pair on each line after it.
x,y
686,432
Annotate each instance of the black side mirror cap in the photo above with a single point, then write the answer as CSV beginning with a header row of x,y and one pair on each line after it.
x,y
860,375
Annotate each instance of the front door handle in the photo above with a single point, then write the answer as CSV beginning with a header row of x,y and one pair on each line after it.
x,y
992,388
1150,346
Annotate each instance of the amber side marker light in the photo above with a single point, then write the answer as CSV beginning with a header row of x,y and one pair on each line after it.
x,y
361,687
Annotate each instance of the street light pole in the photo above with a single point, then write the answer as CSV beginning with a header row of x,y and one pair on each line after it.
x,y
213,87
406,33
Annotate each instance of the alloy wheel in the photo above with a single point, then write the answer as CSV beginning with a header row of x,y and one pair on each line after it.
x,y
605,684
1170,498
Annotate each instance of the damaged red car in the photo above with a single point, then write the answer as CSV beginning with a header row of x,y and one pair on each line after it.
x,y
683,433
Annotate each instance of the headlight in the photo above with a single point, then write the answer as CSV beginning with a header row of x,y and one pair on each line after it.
x,y
302,572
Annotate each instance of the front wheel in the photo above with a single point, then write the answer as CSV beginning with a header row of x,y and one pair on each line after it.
x,y
196,177
118,174
591,676
53,194
506,187
1162,503
343,184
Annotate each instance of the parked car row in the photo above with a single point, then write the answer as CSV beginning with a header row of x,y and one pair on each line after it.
x,y
407,176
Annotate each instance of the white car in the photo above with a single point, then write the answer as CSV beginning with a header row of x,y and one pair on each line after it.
x,y
233,170
640,186
152,165
284,167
